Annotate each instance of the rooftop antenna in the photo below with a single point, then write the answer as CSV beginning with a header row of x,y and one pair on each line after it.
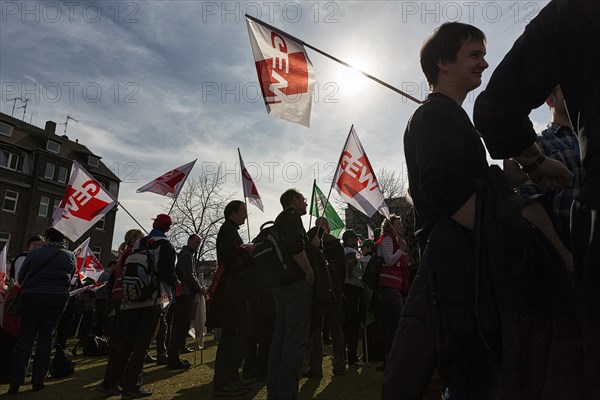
x,y
67,123
24,107
14,104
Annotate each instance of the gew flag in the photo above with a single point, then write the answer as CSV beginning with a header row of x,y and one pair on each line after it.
x,y
355,179
285,73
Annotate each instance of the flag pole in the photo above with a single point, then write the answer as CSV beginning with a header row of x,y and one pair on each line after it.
x,y
132,217
312,200
387,85
247,219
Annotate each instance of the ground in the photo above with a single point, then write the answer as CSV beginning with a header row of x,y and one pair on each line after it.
x,y
196,383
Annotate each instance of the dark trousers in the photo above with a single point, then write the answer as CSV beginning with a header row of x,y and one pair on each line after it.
x,y
392,301
65,324
127,355
181,315
334,313
353,312
231,350
585,243
39,316
100,317
164,333
293,304
261,312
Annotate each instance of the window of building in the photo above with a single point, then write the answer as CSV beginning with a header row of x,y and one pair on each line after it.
x,y
97,252
44,205
53,146
100,224
49,171
10,201
5,129
93,161
9,160
62,174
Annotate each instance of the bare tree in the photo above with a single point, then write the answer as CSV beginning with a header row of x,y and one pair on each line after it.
x,y
392,183
199,209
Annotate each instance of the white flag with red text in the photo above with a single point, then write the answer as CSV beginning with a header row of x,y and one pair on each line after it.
x,y
169,184
285,73
3,265
87,265
355,179
84,203
250,191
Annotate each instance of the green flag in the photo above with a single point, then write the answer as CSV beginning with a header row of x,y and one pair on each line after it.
x,y
316,208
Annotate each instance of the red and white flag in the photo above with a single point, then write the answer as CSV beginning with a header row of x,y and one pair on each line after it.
x,y
3,266
285,73
84,203
169,184
355,179
370,233
87,265
250,191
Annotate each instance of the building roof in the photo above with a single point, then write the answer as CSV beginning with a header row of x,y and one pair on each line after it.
x,y
30,137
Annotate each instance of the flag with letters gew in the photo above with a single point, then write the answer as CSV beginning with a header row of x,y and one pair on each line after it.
x,y
84,203
285,73
250,190
355,179
87,265
170,183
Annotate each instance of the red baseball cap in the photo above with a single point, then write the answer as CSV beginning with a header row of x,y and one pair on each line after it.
x,y
163,220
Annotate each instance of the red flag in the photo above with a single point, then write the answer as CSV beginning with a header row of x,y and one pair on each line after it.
x,y
250,191
355,179
169,184
88,265
285,73
84,203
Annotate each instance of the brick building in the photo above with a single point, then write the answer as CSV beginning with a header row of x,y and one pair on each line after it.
x,y
35,165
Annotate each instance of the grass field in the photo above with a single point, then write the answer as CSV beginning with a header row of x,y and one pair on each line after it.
x,y
196,383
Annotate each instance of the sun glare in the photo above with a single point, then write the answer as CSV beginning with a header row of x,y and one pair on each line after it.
x,y
350,81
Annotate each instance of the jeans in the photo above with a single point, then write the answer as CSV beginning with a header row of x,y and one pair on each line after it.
x,y
39,316
293,304
392,302
127,355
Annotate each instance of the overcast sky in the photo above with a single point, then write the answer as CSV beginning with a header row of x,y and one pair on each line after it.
x,y
156,84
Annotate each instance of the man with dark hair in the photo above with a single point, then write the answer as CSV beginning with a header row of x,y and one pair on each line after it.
x,y
227,308
140,318
181,309
293,301
444,156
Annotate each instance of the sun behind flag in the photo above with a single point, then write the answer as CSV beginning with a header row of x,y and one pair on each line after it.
x,y
355,179
285,73
170,183
250,191
318,209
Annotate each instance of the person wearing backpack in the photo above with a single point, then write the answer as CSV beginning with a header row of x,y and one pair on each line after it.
x,y
44,279
293,301
154,256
